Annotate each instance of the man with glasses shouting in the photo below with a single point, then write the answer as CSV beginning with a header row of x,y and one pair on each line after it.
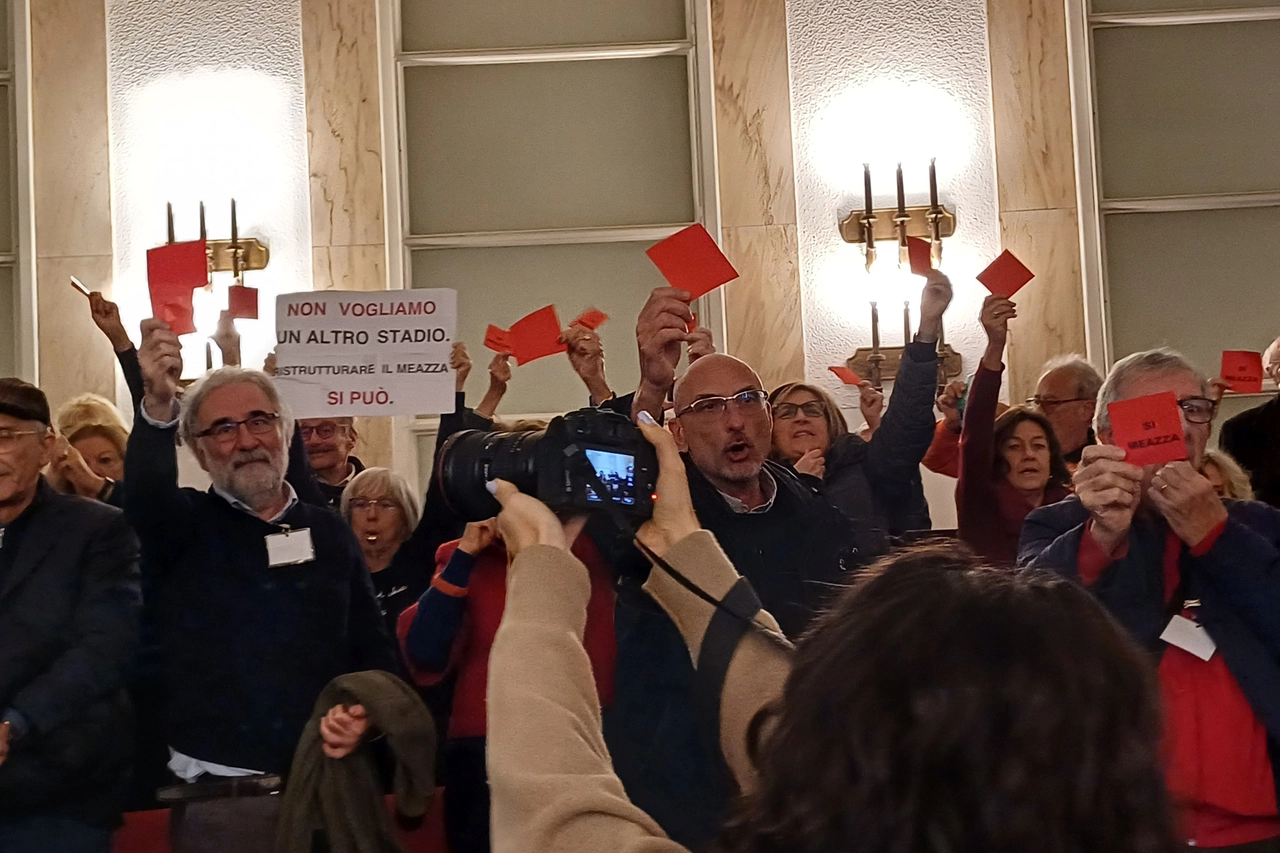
x,y
261,599
1196,581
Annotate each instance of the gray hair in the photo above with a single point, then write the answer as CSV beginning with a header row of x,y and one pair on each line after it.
x,y
1088,379
383,481
188,426
1161,360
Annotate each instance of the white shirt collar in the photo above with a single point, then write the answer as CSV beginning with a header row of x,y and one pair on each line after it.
x,y
244,507
770,488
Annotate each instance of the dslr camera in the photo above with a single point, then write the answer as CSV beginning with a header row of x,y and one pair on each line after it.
x,y
555,466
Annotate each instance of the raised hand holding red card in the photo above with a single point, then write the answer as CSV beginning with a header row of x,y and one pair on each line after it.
x,y
242,302
1149,429
847,376
691,261
498,340
173,272
920,252
536,335
1242,370
1006,275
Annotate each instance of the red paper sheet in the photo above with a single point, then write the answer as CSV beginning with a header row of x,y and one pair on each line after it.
x,y
1149,429
847,376
691,261
592,319
921,253
692,324
536,336
498,340
242,302
1006,275
173,272
1242,370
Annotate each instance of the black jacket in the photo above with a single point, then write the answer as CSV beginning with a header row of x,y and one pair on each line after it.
x,y
69,603
665,751
1237,583
247,647
1253,439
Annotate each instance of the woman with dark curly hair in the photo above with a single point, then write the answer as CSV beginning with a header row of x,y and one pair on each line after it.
x,y
1009,466
940,706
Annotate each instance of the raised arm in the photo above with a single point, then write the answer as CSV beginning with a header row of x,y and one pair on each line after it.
x,y
906,430
586,356
158,510
976,490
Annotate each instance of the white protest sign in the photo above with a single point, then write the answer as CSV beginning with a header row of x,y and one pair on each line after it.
x,y
341,353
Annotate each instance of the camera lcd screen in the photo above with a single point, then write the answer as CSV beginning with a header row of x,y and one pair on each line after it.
x,y
617,473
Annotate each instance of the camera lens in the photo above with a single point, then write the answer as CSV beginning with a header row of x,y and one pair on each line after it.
x,y
470,459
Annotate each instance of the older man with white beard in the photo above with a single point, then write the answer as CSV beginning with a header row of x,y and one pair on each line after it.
x,y
261,599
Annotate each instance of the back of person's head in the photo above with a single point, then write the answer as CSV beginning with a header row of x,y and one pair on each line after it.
x,y
87,410
944,706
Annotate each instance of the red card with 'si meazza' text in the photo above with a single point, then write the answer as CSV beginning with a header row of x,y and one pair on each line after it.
x,y
1242,371
1149,429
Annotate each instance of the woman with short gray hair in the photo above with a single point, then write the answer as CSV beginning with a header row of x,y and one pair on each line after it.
x,y
383,512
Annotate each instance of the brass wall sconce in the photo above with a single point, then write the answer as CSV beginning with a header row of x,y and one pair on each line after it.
x,y
237,255
932,222
877,363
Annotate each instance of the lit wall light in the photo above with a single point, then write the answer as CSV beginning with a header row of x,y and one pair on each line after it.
x,y
886,122
212,135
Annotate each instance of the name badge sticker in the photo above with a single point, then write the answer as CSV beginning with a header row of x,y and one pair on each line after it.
x,y
290,548
1190,637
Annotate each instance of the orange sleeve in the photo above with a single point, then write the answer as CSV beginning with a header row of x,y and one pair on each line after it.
x,y
943,456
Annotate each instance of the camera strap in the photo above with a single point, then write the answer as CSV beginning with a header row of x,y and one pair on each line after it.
x,y
740,606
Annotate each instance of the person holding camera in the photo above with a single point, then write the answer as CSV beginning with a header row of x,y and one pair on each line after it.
x,y
451,630
816,738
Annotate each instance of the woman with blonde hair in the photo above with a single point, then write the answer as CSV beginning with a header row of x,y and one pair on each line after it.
x,y
89,457
1228,478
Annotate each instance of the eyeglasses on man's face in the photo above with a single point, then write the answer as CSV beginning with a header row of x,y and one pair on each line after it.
x,y
9,438
744,401
323,432
789,411
226,431
1198,410
1048,404
364,505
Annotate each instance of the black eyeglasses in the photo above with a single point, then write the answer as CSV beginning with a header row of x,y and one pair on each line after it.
x,y
743,401
323,431
788,411
225,431
1198,410
1046,405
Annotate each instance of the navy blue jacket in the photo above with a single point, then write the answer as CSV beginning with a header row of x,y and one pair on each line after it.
x,y
247,648
1237,583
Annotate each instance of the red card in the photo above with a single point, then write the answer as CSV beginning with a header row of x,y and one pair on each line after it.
x,y
1006,275
692,324
173,271
691,261
847,376
536,336
242,302
921,253
498,340
592,319
1243,371
1149,429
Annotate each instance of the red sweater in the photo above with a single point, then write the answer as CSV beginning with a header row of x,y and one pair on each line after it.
x,y
486,597
1218,769
989,510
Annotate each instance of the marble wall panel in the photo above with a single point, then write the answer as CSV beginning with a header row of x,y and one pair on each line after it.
x,y
1051,308
74,356
757,185
763,306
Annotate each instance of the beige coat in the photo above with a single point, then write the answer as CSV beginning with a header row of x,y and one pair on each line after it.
x,y
552,781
